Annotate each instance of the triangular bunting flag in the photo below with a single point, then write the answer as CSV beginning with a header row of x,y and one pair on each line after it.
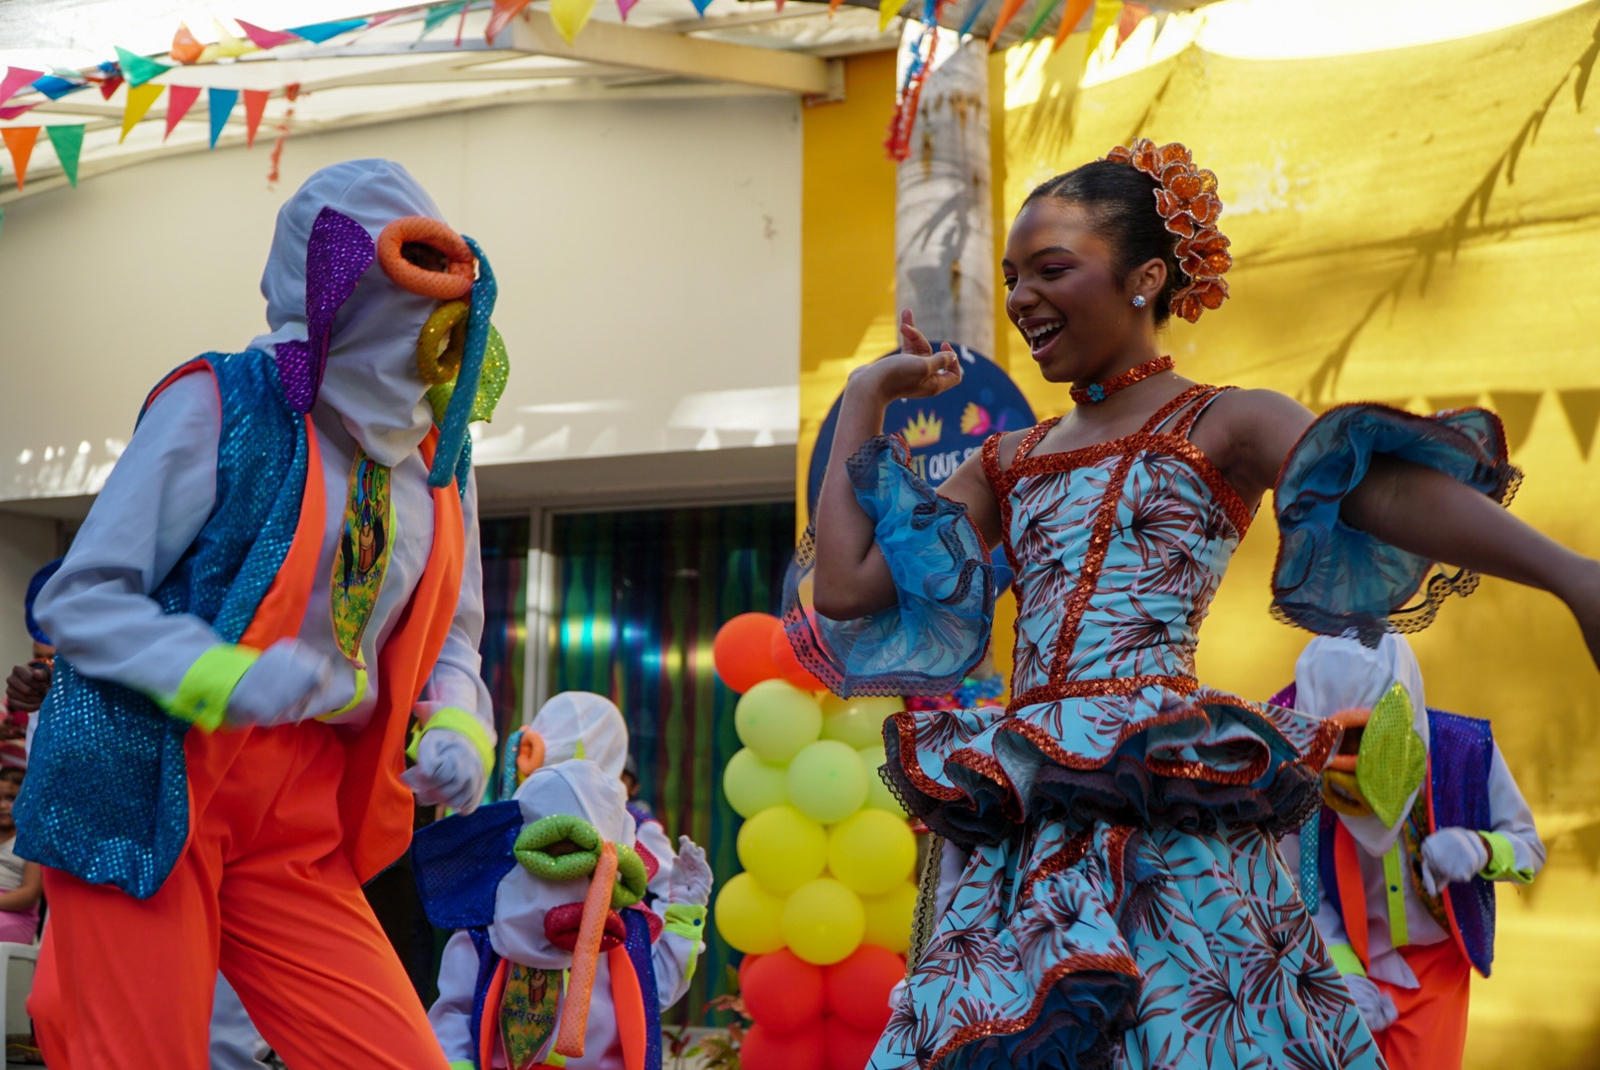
x,y
570,17
318,32
15,79
264,39
437,14
1517,408
972,16
1045,7
140,97
506,10
1128,21
625,6
887,10
111,78
21,109
179,101
1008,11
19,142
229,46
56,87
255,105
1071,16
139,69
1447,402
186,47
700,7
220,103
1106,14
1583,416
68,143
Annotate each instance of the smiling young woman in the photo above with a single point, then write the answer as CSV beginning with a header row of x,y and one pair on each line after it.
x,y
1109,878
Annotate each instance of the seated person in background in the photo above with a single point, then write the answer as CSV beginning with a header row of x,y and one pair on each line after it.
x,y
1420,815
516,987
20,880
28,684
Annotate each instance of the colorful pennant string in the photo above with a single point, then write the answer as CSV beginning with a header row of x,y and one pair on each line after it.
x,y
186,47
20,109
437,14
140,97
68,143
15,79
19,143
506,10
1128,21
1071,15
570,17
180,99
1045,8
55,87
322,32
972,17
220,102
1106,14
139,69
255,106
228,46
265,38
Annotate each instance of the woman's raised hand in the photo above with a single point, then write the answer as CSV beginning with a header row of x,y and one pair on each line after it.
x,y
914,372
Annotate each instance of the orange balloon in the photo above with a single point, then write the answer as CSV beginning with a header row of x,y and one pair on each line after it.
x,y
765,1050
858,988
788,666
783,992
742,650
846,1048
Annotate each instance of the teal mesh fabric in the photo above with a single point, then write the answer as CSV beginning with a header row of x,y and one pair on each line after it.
x,y
106,798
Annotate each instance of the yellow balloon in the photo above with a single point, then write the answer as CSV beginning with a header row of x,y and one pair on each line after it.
x,y
748,917
888,918
879,797
775,719
823,922
857,721
827,781
871,852
782,849
752,785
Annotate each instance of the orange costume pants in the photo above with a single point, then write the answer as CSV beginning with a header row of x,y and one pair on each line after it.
x,y
1431,1032
264,891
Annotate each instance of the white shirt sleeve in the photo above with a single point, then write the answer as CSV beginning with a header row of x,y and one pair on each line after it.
x,y
670,956
1509,815
451,1013
97,609
654,838
456,681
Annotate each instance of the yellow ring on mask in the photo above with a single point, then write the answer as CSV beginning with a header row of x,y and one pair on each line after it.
x,y
1341,792
442,343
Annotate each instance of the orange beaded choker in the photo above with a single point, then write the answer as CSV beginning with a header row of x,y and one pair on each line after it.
x,y
1088,395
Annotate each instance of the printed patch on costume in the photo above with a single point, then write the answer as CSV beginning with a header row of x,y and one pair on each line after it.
x,y
529,1012
362,556
1393,759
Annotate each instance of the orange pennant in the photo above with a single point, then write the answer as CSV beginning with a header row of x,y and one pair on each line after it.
x,y
1008,11
186,47
504,11
19,140
1071,15
255,106
1129,19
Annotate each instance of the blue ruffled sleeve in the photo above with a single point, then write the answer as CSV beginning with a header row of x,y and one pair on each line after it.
x,y
938,630
1333,579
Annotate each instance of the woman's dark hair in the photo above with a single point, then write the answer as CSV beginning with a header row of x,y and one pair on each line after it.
x,y
1122,202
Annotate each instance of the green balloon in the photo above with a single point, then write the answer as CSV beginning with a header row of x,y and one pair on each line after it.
x,y
752,785
775,719
857,721
879,797
827,781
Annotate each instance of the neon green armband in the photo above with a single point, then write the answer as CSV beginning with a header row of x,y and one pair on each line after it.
x,y
202,697
1503,860
1345,958
688,921
463,1064
456,721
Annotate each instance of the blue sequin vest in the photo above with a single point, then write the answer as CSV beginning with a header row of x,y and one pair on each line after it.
x,y
107,798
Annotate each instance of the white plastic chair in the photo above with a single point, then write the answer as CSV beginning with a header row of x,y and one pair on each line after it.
x,y
17,963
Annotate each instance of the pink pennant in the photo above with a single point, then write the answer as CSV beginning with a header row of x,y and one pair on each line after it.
x,y
265,39
180,98
15,79
20,109
625,6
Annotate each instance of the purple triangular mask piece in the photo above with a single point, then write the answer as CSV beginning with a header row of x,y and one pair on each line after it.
x,y
338,253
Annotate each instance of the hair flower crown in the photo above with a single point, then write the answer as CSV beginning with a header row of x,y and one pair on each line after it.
x,y
1187,200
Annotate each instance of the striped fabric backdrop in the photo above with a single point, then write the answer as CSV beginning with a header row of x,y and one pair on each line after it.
x,y
504,544
640,597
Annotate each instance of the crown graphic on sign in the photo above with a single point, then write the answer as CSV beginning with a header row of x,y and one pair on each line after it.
x,y
923,429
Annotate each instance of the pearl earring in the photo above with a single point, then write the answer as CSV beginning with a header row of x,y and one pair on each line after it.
x,y
1138,301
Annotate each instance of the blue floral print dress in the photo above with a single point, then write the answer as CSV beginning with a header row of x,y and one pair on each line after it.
x,y
1123,904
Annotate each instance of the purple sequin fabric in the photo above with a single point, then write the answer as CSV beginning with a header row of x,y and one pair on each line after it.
x,y
338,253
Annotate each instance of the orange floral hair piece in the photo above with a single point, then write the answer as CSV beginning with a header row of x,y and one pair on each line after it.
x,y
1188,201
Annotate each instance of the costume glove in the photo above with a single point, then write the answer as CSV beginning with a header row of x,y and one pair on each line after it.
x,y
449,771
1376,1008
691,875
1451,856
281,687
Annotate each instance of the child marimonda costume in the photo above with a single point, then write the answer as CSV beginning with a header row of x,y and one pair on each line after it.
x,y
282,568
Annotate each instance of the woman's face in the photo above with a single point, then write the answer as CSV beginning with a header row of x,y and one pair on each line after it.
x,y
1066,297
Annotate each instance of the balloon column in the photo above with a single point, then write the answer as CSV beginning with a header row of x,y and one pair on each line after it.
x,y
823,908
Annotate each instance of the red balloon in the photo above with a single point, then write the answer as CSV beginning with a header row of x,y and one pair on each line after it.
x,y
765,1050
742,650
788,666
847,1049
858,988
783,993
744,965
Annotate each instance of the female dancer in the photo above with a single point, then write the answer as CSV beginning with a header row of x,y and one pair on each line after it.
x,y
1111,894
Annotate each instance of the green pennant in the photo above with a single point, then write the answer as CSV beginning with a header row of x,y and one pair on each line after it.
x,y
438,13
138,69
68,143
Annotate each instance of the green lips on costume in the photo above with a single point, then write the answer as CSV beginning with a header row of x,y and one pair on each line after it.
x,y
562,847
1393,759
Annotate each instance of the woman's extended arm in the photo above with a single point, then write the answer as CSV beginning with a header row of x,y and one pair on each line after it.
x,y
28,894
851,578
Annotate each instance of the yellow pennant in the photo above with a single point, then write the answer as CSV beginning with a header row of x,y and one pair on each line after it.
x,y
887,10
140,97
570,16
1106,14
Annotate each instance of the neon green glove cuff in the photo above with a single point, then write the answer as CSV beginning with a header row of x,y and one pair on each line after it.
x,y
456,721
1345,958
1503,860
202,697
463,1064
688,921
